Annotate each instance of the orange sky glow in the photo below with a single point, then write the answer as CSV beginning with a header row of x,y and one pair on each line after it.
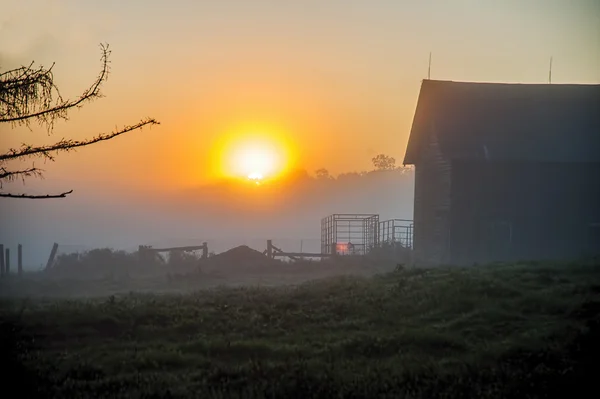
x,y
326,84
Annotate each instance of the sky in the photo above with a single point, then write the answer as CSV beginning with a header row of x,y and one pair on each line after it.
x,y
339,79
336,80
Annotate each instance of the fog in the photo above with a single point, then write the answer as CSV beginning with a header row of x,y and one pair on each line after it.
x,y
225,214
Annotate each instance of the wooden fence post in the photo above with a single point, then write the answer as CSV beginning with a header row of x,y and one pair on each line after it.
x,y
52,256
2,267
7,264
270,249
20,259
204,250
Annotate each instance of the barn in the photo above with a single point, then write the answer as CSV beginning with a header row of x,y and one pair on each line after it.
x,y
505,172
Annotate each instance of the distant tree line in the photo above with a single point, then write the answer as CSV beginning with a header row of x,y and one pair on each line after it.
x,y
381,163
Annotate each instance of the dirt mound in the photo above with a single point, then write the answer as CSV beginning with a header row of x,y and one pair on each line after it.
x,y
243,253
240,259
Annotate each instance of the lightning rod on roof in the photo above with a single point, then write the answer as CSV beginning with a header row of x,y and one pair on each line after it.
x,y
550,72
429,68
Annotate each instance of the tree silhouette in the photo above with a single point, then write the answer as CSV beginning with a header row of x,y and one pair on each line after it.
x,y
29,94
384,162
322,174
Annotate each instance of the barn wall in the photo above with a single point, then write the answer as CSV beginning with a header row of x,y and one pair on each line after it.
x,y
432,205
516,211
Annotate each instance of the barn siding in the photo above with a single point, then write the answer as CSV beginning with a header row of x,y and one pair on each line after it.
x,y
432,204
551,208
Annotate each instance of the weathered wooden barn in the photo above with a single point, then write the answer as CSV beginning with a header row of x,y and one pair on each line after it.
x,y
505,172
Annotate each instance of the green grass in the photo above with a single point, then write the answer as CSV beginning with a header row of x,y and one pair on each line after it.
x,y
504,331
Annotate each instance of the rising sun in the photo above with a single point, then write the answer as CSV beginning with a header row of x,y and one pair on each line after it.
x,y
255,157
256,160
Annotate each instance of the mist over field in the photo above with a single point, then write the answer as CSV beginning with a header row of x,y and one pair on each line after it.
x,y
224,214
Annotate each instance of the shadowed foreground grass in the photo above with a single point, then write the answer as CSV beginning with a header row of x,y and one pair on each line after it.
x,y
503,331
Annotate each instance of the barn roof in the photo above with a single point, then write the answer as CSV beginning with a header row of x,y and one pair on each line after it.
x,y
496,121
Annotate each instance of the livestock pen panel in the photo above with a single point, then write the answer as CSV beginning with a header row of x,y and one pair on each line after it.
x,y
349,234
397,232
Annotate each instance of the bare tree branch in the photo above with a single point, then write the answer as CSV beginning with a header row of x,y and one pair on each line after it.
x,y
27,93
67,145
11,175
61,195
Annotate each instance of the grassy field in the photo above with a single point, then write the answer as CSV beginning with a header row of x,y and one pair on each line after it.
x,y
506,331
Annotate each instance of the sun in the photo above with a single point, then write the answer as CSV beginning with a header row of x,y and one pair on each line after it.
x,y
256,160
255,156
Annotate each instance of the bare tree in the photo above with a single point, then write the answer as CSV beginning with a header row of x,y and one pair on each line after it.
x,y
29,94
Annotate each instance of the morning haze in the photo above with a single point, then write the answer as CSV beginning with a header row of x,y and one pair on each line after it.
x,y
310,250
338,79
